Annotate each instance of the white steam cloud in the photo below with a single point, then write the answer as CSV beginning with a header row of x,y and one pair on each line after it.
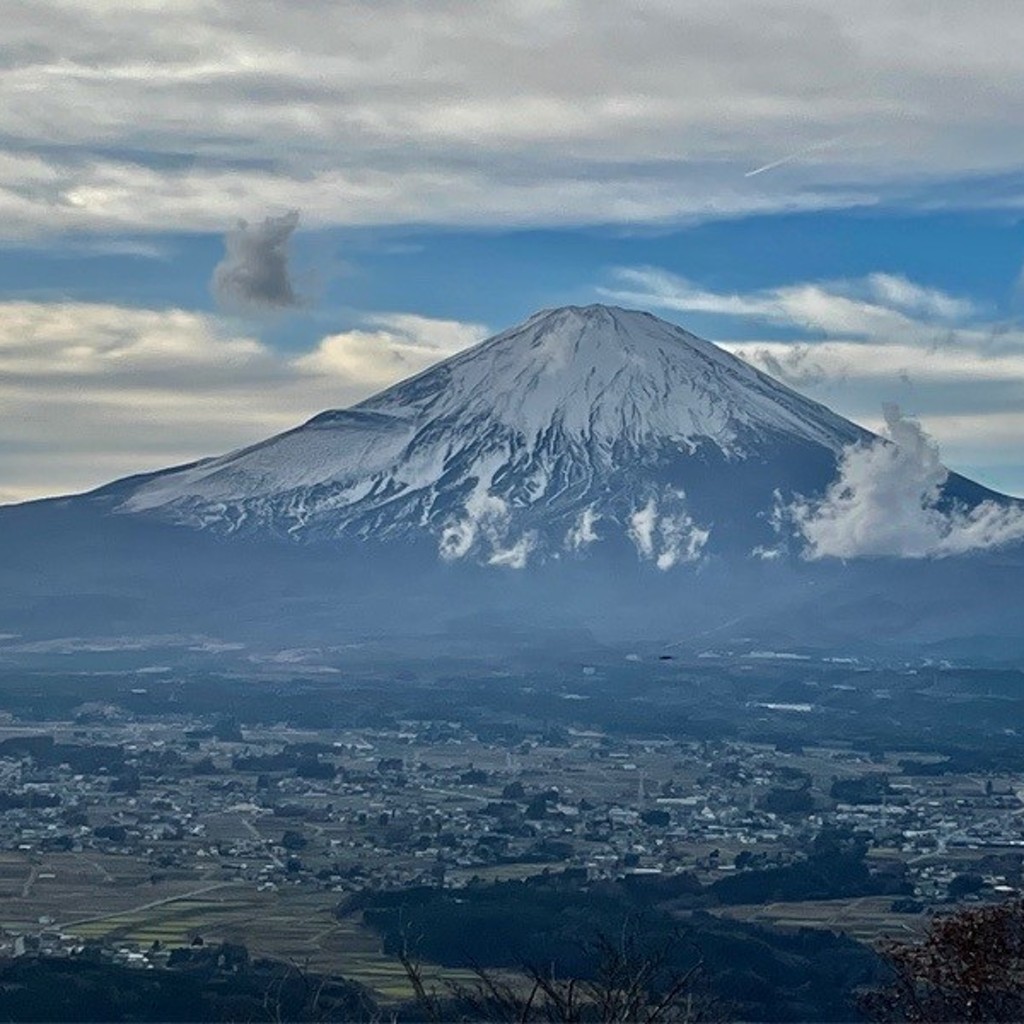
x,y
483,530
665,533
583,532
515,556
886,501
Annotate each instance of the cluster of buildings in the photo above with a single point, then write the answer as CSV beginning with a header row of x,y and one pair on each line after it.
x,y
432,803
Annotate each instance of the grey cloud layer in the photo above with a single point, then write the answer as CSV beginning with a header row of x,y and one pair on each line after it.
x,y
155,115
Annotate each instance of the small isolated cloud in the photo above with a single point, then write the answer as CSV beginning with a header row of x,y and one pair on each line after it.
x,y
485,517
665,533
483,530
254,273
794,364
583,533
516,556
887,501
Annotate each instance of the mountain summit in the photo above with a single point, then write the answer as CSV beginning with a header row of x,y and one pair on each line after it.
x,y
522,445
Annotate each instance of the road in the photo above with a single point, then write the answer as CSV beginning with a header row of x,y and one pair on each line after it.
x,y
146,906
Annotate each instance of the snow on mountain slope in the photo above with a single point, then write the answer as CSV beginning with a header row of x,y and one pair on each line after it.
x,y
579,424
601,375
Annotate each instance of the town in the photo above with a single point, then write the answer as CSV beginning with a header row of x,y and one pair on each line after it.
x,y
137,830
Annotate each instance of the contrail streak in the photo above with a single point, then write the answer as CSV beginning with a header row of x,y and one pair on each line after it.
x,y
792,156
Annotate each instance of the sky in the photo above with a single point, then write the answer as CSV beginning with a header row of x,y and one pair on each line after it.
x,y
217,220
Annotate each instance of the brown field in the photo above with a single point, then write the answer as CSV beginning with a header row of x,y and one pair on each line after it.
x,y
96,896
866,918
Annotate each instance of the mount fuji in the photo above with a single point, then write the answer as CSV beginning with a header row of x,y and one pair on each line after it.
x,y
593,468
524,446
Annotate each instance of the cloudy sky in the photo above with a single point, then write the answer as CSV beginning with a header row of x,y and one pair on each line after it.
x,y
218,219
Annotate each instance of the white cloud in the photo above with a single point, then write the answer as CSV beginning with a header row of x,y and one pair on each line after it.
x,y
457,540
90,392
681,540
801,363
886,500
516,111
106,196
583,532
664,532
855,341
896,290
879,306
482,531
402,345
485,520
516,556
642,525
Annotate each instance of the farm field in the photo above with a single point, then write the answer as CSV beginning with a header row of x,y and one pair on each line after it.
x,y
113,899
866,918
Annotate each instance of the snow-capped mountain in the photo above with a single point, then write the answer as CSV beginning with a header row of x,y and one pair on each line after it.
x,y
579,424
594,470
